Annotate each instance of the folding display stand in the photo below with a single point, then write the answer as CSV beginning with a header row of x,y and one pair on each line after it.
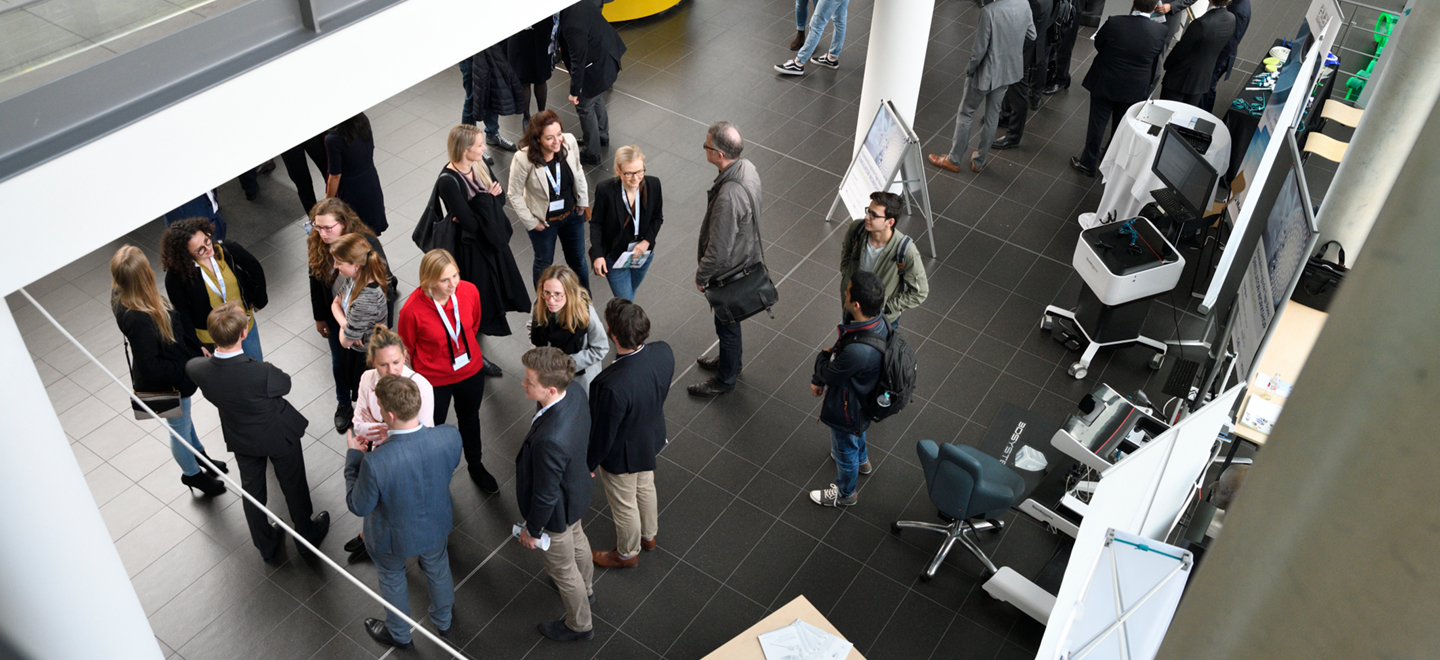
x,y
890,155
1128,599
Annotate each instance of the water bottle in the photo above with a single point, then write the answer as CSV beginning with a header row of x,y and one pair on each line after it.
x,y
883,399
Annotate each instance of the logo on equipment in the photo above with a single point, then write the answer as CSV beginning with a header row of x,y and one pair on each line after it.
x,y
1014,438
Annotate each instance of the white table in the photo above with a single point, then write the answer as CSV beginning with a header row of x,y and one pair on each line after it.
x,y
1126,166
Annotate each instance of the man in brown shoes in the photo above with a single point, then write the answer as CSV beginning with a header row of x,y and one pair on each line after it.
x,y
627,430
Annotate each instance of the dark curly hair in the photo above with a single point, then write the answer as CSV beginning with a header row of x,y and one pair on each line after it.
x,y
175,245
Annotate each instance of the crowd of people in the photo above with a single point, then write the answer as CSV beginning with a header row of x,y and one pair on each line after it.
x,y
398,371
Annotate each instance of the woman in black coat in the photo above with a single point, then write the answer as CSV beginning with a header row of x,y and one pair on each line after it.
x,y
617,228
476,201
532,55
191,259
351,175
158,343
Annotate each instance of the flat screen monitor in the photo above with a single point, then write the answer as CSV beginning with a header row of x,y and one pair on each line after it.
x,y
1185,170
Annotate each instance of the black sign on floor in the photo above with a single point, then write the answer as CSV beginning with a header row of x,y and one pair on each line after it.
x,y
1014,429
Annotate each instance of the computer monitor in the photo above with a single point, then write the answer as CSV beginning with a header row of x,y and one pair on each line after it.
x,y
1185,171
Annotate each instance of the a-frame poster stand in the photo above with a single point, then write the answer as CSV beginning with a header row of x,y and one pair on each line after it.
x,y
889,156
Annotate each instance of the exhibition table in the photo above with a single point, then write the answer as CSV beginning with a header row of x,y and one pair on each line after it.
x,y
746,645
1295,333
1126,166
1242,124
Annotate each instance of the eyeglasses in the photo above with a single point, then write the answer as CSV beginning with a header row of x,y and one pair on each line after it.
x,y
710,148
553,295
871,215
324,229
631,175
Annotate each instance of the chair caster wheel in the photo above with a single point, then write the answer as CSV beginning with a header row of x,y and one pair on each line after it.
x,y
925,578
1047,323
895,528
1078,371
1157,361
999,524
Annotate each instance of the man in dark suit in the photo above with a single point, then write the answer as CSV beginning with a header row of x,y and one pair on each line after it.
x,y
1192,61
1015,109
1127,50
552,486
258,425
402,490
1226,61
627,430
593,50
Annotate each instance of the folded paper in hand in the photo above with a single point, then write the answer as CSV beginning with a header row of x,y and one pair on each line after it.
x,y
629,260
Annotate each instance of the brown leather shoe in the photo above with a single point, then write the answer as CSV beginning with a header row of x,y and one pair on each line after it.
x,y
973,167
942,161
799,40
612,559
647,544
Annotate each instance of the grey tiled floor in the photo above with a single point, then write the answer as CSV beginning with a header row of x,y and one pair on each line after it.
x,y
738,535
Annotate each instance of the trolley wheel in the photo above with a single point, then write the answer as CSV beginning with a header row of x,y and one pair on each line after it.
x,y
925,578
1078,370
1157,361
894,528
1047,323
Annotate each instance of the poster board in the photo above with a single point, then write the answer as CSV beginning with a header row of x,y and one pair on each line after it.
x,y
1130,597
887,158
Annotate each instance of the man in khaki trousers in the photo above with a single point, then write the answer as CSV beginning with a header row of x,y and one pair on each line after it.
x,y
552,486
627,430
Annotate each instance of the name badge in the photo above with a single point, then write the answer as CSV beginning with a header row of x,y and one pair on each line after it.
x,y
557,205
460,361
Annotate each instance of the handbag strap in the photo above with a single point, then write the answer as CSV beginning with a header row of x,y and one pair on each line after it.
x,y
755,213
1339,248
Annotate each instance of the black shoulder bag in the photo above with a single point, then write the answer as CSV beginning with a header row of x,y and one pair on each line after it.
x,y
437,227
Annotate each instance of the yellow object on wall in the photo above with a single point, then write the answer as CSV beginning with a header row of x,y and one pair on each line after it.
x,y
629,10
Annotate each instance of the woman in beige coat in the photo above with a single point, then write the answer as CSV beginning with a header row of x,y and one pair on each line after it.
x,y
549,195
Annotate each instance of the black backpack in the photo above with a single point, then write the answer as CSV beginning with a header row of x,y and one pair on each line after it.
x,y
897,373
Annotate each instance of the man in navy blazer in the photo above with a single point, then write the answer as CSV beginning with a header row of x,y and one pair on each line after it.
x,y
552,486
627,430
1127,52
402,490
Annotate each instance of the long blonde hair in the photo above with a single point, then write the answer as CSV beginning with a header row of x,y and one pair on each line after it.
x,y
575,315
132,285
460,140
355,249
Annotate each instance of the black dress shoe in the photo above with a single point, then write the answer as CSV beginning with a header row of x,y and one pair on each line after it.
x,y
500,143
491,370
344,416
276,553
1007,141
558,631
484,480
709,388
322,527
208,485
1078,166
445,632
586,159
356,544
489,160
709,363
1053,89
381,634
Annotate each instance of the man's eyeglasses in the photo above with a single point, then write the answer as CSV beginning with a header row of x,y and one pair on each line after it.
x,y
871,215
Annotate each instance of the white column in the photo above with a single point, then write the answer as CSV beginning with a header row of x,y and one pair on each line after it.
x,y
894,62
64,594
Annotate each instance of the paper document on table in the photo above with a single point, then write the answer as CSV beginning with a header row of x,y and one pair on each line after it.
x,y
629,260
1260,415
802,641
1274,384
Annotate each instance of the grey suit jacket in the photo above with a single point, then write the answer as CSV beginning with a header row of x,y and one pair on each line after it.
x,y
402,490
997,57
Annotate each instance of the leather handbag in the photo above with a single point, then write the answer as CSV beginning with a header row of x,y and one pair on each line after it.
x,y
437,227
165,404
1321,279
747,290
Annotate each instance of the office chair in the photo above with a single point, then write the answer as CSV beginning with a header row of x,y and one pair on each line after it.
x,y
971,489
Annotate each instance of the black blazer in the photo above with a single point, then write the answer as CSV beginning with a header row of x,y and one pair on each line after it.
x,y
627,410
1127,49
552,482
610,228
1191,62
157,366
192,299
250,395
592,47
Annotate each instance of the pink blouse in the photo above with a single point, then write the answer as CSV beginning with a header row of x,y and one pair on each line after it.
x,y
367,407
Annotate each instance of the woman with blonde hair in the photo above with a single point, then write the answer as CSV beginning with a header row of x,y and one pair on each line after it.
x,y
476,201
360,302
330,219
439,323
627,214
158,343
565,318
386,353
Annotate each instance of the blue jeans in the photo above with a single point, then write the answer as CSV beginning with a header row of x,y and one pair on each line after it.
x,y
251,344
849,452
571,230
467,116
730,351
825,10
390,569
186,429
624,281
801,6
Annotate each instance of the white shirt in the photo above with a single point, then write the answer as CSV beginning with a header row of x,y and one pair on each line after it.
x,y
404,431
222,354
542,410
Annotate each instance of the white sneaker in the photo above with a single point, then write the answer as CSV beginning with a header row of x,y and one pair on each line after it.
x,y
831,497
791,68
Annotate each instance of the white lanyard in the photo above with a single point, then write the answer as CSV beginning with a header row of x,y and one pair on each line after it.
x,y
345,299
634,213
455,330
220,290
555,179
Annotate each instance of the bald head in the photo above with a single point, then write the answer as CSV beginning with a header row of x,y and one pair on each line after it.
x,y
725,139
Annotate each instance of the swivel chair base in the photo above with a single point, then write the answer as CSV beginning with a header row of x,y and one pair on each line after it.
x,y
959,530
1082,367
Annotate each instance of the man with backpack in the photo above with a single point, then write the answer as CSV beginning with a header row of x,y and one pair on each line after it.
x,y
847,375
873,245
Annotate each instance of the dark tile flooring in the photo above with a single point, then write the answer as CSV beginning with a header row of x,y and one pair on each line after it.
x,y
738,535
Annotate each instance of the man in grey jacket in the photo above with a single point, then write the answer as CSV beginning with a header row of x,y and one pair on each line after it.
x,y
729,242
997,59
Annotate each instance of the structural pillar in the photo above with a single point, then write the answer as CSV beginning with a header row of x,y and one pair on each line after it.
x,y
899,35
1329,550
64,595
1406,90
